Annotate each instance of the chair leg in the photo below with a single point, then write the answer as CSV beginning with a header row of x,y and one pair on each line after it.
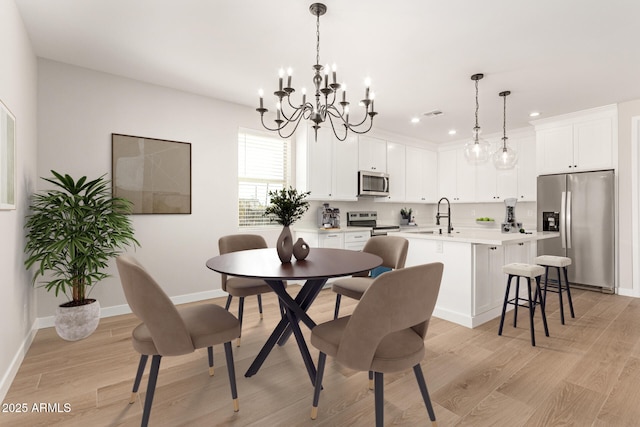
x,y
566,282
543,309
318,386
425,393
136,382
337,309
533,335
370,380
560,296
228,304
151,388
515,308
210,353
240,312
260,304
379,398
504,305
546,281
232,375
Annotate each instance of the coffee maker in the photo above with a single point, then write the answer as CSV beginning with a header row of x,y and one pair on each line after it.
x,y
510,225
328,217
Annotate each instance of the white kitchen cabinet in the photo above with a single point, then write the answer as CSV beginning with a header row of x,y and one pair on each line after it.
x,y
397,169
421,175
527,182
491,282
345,169
456,177
579,142
337,239
331,240
372,154
328,168
355,240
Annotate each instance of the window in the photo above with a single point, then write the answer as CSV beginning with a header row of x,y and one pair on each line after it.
x,y
264,164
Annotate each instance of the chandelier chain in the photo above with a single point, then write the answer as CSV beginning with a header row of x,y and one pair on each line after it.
x,y
477,105
504,123
318,38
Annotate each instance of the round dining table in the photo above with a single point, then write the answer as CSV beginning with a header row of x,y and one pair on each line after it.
x,y
320,265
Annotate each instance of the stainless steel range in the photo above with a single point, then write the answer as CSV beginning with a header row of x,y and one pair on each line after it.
x,y
369,219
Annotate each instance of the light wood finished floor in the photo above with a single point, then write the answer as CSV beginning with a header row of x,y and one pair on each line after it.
x,y
586,374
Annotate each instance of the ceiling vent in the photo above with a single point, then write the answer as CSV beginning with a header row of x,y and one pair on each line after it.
x,y
434,113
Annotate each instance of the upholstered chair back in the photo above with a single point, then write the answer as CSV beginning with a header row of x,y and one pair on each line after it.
x,y
154,308
401,302
392,250
239,242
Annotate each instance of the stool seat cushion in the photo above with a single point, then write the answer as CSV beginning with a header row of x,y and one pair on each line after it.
x,y
552,261
524,270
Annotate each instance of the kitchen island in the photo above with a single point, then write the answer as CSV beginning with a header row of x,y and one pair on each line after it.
x,y
473,284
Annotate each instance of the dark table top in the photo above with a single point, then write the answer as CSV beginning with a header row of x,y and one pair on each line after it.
x,y
321,263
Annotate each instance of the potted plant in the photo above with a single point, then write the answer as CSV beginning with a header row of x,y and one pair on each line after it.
x,y
286,207
72,233
406,216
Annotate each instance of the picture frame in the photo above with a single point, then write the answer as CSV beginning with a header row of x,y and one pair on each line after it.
x,y
7,158
154,174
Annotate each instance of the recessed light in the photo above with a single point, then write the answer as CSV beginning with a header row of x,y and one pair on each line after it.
x,y
452,132
415,120
534,114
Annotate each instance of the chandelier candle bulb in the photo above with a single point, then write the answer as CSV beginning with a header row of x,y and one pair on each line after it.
x,y
344,92
304,96
281,74
261,95
333,69
289,72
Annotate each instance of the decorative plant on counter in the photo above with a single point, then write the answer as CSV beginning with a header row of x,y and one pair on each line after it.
x,y
287,206
73,232
406,213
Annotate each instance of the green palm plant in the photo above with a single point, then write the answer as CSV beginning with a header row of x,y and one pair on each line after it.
x,y
72,233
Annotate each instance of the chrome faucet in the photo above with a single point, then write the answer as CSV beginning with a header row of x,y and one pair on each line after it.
x,y
448,215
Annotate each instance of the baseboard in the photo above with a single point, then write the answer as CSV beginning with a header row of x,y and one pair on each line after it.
x,y
117,310
626,292
10,374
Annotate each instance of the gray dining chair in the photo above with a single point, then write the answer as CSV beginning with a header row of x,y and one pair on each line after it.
x,y
392,250
169,331
242,287
385,333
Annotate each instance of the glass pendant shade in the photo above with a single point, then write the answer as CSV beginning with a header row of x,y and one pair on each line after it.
x,y
477,150
505,157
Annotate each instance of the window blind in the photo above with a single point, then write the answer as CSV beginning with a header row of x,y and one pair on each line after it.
x,y
264,164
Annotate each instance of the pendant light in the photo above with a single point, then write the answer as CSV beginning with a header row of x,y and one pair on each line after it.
x,y
477,150
505,157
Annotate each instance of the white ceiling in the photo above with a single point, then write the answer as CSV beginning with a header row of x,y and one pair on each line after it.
x,y
555,56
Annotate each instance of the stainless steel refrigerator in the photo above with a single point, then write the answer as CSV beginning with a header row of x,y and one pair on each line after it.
x,y
581,206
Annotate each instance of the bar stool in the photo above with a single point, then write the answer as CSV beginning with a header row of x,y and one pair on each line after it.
x,y
558,262
529,271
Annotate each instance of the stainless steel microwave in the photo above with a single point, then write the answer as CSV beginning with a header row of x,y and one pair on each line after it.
x,y
373,184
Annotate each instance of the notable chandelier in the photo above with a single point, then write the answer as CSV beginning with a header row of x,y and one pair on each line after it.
x,y
505,157
477,150
323,108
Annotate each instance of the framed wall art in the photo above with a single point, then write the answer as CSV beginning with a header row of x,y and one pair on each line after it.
x,y
7,158
154,174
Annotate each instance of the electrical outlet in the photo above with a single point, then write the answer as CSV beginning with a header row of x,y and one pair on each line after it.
x,y
439,247
529,213
473,212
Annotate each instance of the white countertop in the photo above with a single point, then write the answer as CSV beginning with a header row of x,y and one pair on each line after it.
x,y
475,235
331,230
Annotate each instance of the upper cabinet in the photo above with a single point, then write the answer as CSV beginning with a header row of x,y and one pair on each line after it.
x,y
577,142
326,167
397,170
372,154
456,177
462,182
421,175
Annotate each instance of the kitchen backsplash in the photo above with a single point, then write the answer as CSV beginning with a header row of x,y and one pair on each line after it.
x,y
463,214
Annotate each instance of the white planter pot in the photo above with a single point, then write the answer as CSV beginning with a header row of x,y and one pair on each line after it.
x,y
76,323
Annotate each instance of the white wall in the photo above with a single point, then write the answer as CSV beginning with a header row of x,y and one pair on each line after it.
x,y
78,109
626,111
18,69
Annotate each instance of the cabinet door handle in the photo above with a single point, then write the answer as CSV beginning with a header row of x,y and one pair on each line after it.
x,y
520,244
